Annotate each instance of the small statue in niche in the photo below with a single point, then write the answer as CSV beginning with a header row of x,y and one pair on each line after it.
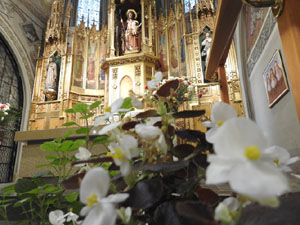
x,y
131,40
206,43
51,80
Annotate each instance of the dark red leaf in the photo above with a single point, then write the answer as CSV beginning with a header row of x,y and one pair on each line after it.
x,y
73,182
207,196
94,160
130,125
165,90
146,114
188,114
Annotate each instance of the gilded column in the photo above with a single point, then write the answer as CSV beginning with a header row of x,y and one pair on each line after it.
x,y
111,24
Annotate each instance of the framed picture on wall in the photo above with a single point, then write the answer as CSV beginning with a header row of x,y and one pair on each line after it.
x,y
275,79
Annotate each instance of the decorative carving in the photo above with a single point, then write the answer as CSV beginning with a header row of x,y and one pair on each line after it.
x,y
137,70
115,73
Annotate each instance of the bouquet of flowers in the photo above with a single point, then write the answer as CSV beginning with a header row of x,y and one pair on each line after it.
x,y
4,110
175,99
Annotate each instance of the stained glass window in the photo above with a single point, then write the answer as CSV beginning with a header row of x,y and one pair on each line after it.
x,y
89,11
189,5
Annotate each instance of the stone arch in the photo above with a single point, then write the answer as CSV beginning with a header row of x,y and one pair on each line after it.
x,y
126,85
26,72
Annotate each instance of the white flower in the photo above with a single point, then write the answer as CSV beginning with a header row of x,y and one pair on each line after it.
x,y
281,157
136,102
219,114
110,111
242,160
99,210
152,84
225,210
152,134
123,151
57,217
72,217
83,154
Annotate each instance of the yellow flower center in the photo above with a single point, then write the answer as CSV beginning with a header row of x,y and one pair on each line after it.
x,y
276,161
233,213
107,109
117,155
92,200
220,123
252,153
153,78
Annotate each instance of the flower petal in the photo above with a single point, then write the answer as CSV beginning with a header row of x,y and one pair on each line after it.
x,y
115,198
276,152
222,213
100,119
83,154
109,127
222,111
147,132
235,135
208,124
116,105
158,76
125,167
218,170
96,181
56,217
210,134
259,180
162,145
232,203
104,215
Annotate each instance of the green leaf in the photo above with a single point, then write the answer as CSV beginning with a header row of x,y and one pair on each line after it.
x,y
90,115
71,197
81,108
68,133
8,193
127,103
95,105
21,202
50,146
69,124
70,111
66,145
50,201
100,140
83,130
58,140
50,189
51,157
5,201
78,143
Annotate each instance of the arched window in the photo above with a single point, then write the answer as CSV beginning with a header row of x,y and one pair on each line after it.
x,y
10,92
89,11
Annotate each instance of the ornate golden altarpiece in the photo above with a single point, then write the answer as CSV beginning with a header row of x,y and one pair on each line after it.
x,y
92,66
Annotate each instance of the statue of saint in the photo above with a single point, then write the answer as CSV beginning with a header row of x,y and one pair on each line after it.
x,y
206,43
132,38
51,76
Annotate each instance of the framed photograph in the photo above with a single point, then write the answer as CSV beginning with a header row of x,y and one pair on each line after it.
x,y
275,79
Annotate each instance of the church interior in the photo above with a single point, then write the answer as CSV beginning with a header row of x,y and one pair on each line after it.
x,y
55,54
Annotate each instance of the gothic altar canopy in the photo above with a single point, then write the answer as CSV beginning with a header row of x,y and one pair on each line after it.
x,y
101,50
